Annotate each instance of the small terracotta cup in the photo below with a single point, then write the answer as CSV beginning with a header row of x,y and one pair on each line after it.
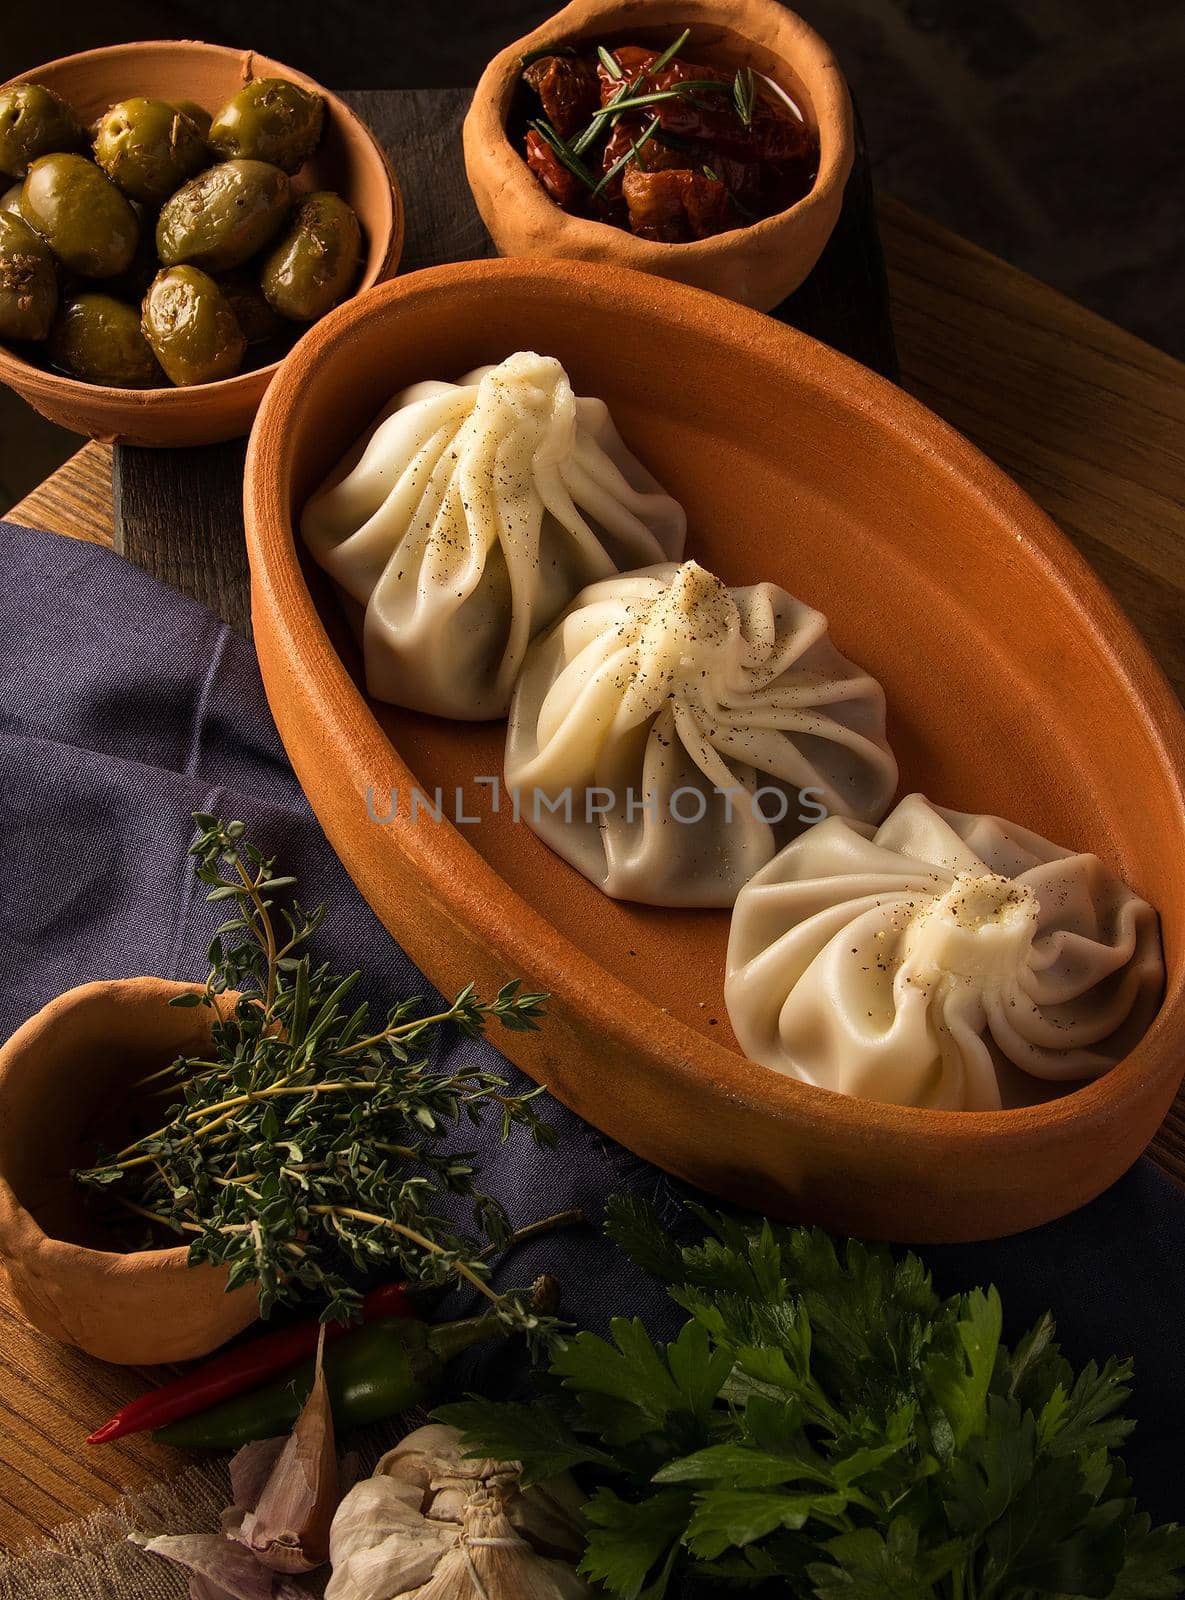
x,y
758,265
348,160
62,1076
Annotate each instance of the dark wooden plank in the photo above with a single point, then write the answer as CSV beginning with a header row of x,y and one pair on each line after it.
x,y
179,515
421,131
845,301
178,512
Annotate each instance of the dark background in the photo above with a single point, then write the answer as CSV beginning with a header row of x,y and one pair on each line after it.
x,y
1049,131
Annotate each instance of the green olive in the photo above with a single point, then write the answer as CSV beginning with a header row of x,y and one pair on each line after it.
x,y
97,338
34,121
189,323
316,262
272,120
223,216
10,200
131,284
88,224
28,281
198,115
148,149
256,318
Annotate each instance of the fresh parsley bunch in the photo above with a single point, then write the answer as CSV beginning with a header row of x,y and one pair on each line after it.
x,y
825,1419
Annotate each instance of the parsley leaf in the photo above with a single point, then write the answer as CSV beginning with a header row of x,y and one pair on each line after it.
x,y
958,1374
1087,1418
726,1518
628,1541
535,1435
631,1387
1151,1563
869,1565
638,1231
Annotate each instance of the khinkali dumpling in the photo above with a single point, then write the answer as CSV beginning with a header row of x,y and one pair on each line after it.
x,y
916,962
470,518
670,733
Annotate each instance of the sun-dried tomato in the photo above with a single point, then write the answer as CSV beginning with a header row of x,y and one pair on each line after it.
x,y
567,87
676,205
563,186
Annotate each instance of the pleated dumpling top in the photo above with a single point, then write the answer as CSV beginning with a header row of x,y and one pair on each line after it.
x,y
469,517
943,960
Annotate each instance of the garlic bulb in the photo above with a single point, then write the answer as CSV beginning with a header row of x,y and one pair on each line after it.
x,y
431,1525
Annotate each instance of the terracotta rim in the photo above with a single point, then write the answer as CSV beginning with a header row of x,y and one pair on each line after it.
x,y
135,1307
174,1257
813,61
530,942
258,377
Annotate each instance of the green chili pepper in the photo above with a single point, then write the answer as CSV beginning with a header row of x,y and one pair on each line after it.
x,y
377,1371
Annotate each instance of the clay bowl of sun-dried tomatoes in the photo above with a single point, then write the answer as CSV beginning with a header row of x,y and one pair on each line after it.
x,y
703,140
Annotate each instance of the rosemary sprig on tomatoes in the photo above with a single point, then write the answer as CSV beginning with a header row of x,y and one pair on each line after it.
x,y
671,149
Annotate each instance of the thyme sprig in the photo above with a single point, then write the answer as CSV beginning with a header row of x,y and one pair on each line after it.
x,y
307,1150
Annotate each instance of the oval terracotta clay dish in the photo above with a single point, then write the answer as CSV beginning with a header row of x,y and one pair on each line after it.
x,y
1014,684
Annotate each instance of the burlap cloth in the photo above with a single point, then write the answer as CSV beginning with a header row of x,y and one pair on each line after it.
x,y
93,1559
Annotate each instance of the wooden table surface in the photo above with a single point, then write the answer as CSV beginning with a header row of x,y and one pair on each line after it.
x,y
1087,418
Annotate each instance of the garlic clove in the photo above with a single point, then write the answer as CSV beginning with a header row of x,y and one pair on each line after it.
x,y
433,1525
436,1449
490,1561
206,1589
288,1530
224,1565
548,1515
380,1546
250,1468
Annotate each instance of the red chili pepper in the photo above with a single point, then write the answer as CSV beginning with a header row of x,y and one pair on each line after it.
x,y
247,1366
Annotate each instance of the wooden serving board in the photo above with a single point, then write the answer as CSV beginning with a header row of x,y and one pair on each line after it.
x,y
178,513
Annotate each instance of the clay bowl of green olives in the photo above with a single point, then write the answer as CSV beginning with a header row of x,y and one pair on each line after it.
x,y
173,215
